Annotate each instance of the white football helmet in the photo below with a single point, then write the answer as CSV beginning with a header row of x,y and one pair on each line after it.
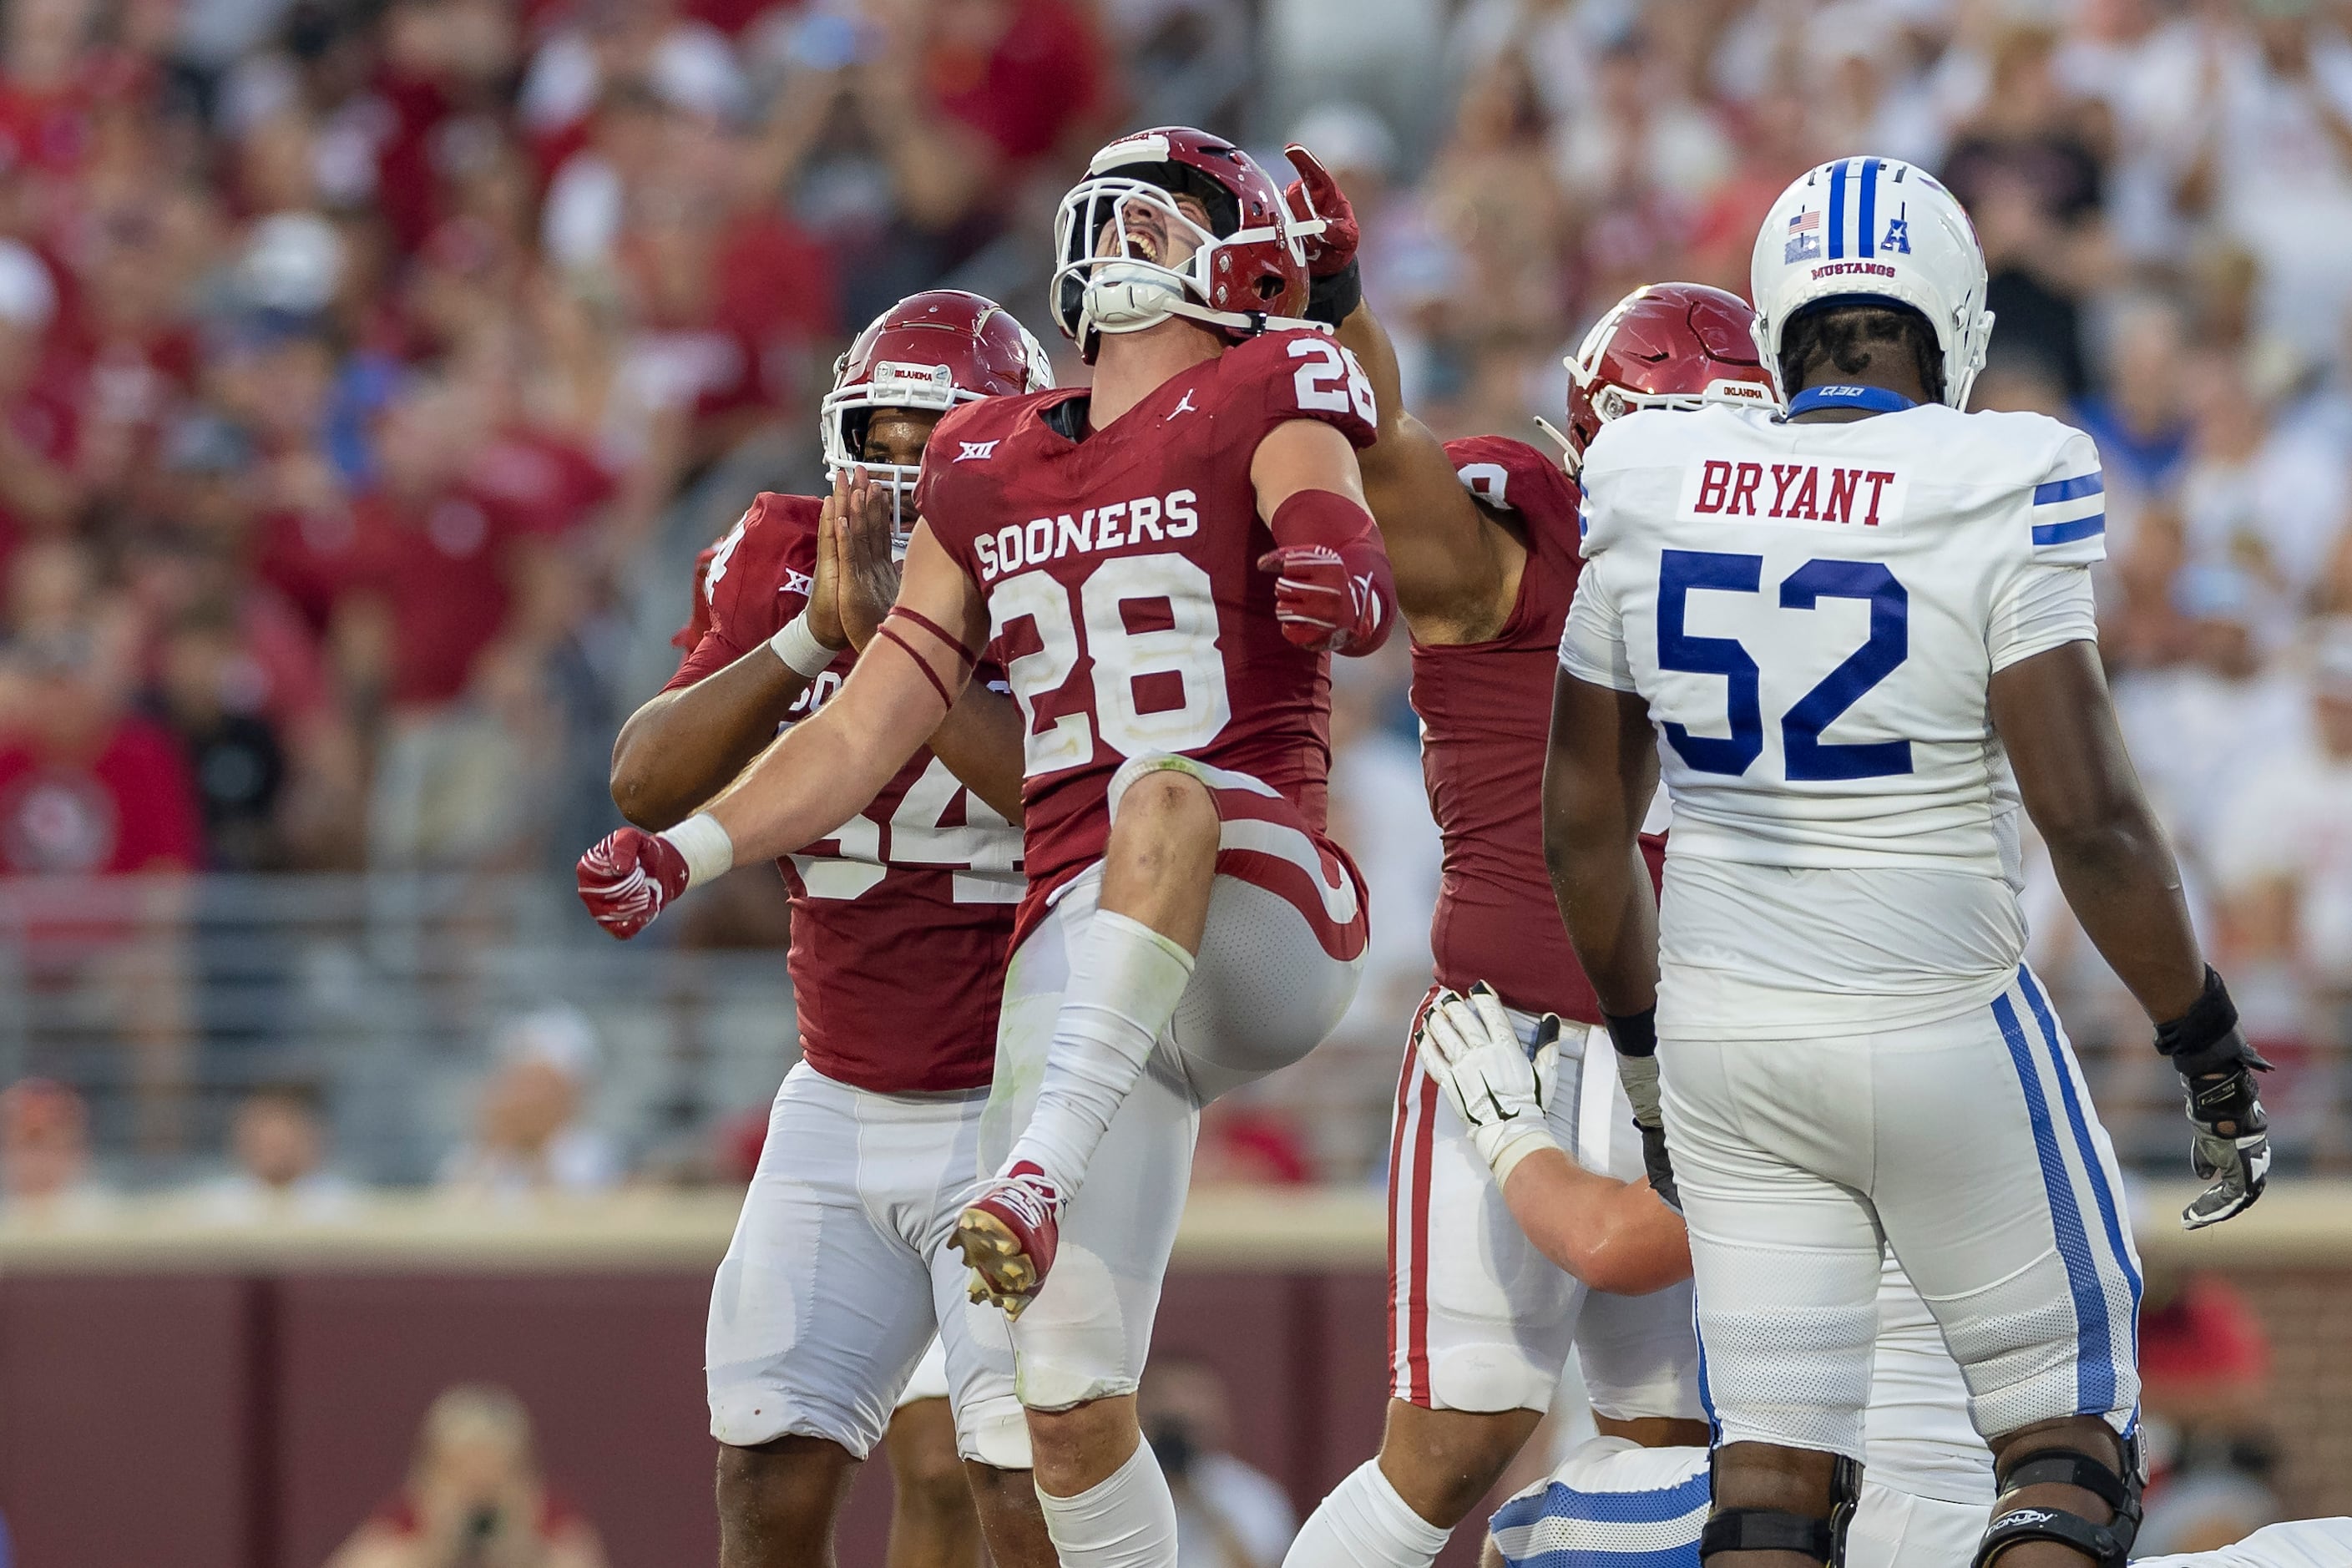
x,y
1874,230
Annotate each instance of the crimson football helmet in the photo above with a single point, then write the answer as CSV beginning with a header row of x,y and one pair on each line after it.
x,y
1668,345
932,350
1247,266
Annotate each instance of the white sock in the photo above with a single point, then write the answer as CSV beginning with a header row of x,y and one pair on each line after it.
x,y
1126,1522
1124,987
1364,1524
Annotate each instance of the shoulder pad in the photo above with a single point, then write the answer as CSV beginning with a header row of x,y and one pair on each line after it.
x,y
1516,475
761,574
1301,374
1506,474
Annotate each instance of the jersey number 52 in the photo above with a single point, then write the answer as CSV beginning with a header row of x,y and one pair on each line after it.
x,y
1805,755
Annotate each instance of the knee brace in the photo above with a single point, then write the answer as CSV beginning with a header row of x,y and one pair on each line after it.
x,y
1779,1530
2107,1545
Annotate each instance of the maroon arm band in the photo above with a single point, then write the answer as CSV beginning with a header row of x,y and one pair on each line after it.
x,y
922,663
936,630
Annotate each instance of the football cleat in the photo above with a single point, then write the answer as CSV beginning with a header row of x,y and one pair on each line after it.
x,y
1008,1235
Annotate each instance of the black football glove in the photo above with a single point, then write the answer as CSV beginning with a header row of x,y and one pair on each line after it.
x,y
2232,1147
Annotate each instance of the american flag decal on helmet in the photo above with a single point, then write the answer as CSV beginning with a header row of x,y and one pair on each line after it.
x,y
1804,238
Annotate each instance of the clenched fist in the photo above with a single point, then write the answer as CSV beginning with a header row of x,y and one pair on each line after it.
x,y
630,878
1321,604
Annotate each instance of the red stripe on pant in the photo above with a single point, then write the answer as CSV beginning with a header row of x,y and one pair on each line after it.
x,y
1296,887
1411,1148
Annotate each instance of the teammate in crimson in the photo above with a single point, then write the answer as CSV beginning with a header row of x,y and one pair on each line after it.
x,y
1483,536
1163,562
899,931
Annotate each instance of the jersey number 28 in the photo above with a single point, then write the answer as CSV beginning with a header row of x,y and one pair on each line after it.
x,y
1177,666
1804,755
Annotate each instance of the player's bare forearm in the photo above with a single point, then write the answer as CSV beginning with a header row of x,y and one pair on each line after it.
x,y
979,741
682,747
825,771
905,683
1452,561
1614,1236
1600,771
2113,862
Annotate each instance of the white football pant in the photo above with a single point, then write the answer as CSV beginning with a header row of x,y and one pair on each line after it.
x,y
1968,1146
838,1276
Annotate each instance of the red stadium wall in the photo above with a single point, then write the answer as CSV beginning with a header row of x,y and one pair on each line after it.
x,y
167,1397
226,1421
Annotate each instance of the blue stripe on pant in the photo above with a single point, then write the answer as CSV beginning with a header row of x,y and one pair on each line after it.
x,y
1706,1394
2096,1339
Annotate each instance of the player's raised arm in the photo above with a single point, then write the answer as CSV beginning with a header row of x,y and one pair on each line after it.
x,y
683,745
2115,867
818,777
1453,563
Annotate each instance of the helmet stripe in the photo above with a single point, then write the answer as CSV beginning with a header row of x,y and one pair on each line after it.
x,y
1837,210
1866,224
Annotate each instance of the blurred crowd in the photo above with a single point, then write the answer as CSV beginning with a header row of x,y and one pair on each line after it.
x,y
368,371
351,354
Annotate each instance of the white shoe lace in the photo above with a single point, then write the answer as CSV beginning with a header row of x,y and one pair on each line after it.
x,y
1032,1198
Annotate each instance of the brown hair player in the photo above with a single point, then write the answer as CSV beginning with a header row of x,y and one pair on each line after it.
x,y
1165,563
899,929
1482,533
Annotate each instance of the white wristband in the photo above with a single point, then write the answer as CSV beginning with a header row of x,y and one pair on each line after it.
x,y
1504,1153
798,648
709,852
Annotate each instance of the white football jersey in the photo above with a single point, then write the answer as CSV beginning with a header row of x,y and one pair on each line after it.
x,y
1813,613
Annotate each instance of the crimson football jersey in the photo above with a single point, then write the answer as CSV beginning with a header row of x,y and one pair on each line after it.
x,y
900,920
1120,573
1485,722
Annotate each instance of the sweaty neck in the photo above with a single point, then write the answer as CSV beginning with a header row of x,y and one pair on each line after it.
x,y
1131,366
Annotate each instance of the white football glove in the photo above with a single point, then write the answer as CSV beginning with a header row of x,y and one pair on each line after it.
x,y
1496,1085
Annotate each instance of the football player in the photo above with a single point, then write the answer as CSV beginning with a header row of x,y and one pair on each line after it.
x,y
899,926
1865,633
1482,534
1166,560
1469,1302
1930,1488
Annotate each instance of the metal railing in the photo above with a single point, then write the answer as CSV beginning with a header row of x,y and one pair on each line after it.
x,y
165,1001
162,1001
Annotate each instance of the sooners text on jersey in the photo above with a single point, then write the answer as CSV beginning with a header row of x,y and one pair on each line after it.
x,y
900,920
1122,587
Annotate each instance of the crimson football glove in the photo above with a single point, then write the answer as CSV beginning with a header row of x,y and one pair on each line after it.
x,y
1335,285
630,878
1321,604
1315,195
